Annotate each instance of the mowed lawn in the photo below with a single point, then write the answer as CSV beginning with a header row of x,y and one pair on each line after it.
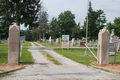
x,y
3,53
77,54
25,58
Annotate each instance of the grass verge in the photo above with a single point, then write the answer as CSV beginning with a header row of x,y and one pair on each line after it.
x,y
26,57
77,54
50,57
26,43
3,53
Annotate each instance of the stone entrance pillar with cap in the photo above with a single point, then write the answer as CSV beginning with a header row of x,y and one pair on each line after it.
x,y
14,40
103,41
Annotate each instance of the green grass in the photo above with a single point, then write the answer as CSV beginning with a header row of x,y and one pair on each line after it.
x,y
111,58
3,53
4,45
48,44
77,55
50,58
26,57
26,43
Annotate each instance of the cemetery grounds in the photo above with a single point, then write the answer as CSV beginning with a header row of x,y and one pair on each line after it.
x,y
76,54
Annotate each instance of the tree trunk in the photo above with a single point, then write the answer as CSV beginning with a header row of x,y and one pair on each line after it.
x,y
18,24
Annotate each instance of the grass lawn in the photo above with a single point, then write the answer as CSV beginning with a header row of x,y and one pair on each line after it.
x,y
26,43
4,45
25,58
111,58
3,54
77,54
48,44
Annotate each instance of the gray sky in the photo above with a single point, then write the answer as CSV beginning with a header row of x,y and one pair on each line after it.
x,y
79,7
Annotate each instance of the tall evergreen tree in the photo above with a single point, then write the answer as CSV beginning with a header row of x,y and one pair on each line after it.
x,y
4,28
20,11
96,21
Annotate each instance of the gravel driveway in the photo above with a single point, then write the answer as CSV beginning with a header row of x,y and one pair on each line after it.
x,y
43,69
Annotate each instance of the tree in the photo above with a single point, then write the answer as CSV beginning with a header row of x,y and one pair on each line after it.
x,y
54,27
28,36
42,22
34,35
4,28
77,31
22,32
20,11
66,21
115,26
96,21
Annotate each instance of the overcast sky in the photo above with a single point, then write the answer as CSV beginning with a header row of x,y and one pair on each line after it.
x,y
79,7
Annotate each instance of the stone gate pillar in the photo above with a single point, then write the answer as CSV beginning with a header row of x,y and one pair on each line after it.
x,y
103,41
13,52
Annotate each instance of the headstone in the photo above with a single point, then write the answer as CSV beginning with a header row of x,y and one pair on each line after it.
x,y
83,39
111,49
58,41
112,36
103,41
22,38
82,44
49,39
78,40
44,39
118,48
73,42
51,42
90,43
14,42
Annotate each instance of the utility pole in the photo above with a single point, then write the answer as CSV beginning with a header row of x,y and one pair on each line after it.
x,y
87,28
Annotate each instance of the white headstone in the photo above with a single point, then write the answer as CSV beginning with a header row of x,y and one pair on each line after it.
x,y
73,42
50,39
112,36
58,41
90,43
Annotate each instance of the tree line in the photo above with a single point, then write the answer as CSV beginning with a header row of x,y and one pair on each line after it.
x,y
39,27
